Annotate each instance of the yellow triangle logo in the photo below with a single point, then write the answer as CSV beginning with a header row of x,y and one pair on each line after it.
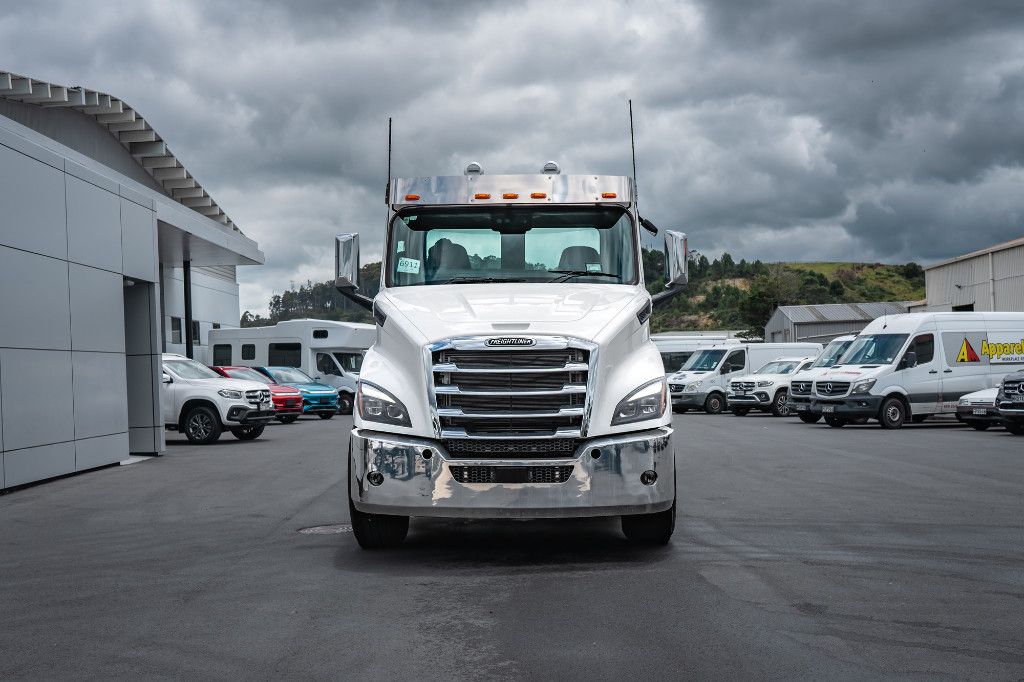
x,y
967,353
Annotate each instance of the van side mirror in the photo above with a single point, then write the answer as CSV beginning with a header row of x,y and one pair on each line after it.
x,y
166,378
677,264
909,360
346,269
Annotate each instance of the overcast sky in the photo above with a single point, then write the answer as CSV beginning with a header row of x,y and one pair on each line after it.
x,y
874,130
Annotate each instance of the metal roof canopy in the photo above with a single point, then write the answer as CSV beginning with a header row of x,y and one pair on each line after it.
x,y
557,189
1013,243
129,128
840,312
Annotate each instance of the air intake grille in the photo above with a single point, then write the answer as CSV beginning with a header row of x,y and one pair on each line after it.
x,y
832,388
469,448
533,474
742,385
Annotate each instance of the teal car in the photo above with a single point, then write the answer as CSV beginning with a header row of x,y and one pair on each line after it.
x,y
319,399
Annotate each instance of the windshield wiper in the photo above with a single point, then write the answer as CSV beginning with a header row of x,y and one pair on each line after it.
x,y
563,275
465,279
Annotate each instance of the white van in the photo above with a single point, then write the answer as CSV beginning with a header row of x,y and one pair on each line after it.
x,y
676,349
704,379
911,366
799,400
331,352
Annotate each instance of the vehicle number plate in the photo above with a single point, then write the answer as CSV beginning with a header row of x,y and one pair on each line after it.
x,y
800,407
740,391
828,408
979,411
1018,398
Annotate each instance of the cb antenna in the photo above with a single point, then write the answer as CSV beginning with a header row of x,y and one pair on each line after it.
x,y
387,187
646,224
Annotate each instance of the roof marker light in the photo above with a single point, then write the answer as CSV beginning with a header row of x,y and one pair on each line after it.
x,y
551,168
608,195
509,195
474,168
538,195
412,197
481,195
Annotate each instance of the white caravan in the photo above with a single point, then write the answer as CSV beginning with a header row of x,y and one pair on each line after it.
x,y
331,352
766,389
799,400
676,348
513,374
704,380
910,366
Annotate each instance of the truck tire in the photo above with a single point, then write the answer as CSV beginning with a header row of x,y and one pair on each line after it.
x,y
893,413
650,529
809,417
1016,428
345,403
714,403
835,422
248,432
202,425
741,411
325,415
979,426
287,418
779,407
375,531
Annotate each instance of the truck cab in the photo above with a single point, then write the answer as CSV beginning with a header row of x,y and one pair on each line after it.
x,y
513,374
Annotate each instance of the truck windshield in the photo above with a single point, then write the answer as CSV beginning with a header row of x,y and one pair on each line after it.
x,y
874,349
704,361
831,354
350,362
248,375
190,369
512,244
778,367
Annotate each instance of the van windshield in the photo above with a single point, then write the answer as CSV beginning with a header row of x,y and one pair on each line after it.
x,y
511,244
288,375
874,349
704,360
831,354
778,367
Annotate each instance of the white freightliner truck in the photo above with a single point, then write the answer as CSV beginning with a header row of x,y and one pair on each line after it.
x,y
513,375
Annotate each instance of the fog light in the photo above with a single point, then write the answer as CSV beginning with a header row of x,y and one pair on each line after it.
x,y
375,477
427,453
648,477
595,453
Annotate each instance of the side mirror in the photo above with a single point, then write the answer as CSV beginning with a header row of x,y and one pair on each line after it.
x,y
166,378
676,266
346,269
909,360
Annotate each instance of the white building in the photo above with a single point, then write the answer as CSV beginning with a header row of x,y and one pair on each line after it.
x,y
991,279
101,229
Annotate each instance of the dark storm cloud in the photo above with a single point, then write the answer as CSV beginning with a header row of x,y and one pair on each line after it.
x,y
797,129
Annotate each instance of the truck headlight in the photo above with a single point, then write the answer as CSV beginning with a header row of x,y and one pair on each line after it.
x,y
377,405
230,394
762,384
646,402
862,387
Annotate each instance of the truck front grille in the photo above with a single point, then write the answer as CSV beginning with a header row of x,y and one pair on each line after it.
x,y
507,448
511,393
800,388
256,397
513,474
1011,387
742,385
831,389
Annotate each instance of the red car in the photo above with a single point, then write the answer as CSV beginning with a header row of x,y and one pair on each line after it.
x,y
287,399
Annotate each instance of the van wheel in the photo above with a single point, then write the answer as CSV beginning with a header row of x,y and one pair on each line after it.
x,y
650,529
375,531
714,404
979,426
345,403
893,413
741,411
325,415
835,422
248,432
202,425
779,407
1016,428
809,417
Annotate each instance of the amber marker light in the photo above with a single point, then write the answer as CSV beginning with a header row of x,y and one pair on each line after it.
x,y
481,195
538,195
412,197
608,195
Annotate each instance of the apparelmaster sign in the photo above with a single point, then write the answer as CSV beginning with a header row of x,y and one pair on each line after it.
x,y
994,349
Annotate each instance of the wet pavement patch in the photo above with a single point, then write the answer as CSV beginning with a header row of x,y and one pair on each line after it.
x,y
331,529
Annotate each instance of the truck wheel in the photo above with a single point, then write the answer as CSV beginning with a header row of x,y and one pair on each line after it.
x,y
714,404
650,529
202,425
287,418
375,531
1016,428
893,413
978,426
248,432
741,411
345,403
779,406
809,418
325,415
835,422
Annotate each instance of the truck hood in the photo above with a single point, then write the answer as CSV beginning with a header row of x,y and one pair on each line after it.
x,y
314,388
851,372
681,377
775,378
580,310
234,384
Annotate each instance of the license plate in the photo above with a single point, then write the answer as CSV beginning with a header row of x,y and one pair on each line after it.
x,y
741,392
800,407
828,408
981,411
1018,398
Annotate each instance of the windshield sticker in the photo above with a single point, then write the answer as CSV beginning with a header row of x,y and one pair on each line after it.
x,y
593,267
400,247
409,266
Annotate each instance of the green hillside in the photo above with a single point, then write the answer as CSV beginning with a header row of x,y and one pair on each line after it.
x,y
722,294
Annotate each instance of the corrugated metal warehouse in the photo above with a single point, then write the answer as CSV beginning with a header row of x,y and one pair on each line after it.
x,y
989,279
824,322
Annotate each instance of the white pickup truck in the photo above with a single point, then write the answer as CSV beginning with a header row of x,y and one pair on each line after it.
x,y
767,388
202,404
513,373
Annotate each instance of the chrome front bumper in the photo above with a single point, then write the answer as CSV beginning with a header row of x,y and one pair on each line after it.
x,y
606,485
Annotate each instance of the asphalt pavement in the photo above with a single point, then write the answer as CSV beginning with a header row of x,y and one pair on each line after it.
x,y
801,552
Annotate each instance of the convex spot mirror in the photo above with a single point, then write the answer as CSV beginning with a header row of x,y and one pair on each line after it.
x,y
346,261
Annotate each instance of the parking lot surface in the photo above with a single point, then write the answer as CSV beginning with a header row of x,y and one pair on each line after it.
x,y
801,551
